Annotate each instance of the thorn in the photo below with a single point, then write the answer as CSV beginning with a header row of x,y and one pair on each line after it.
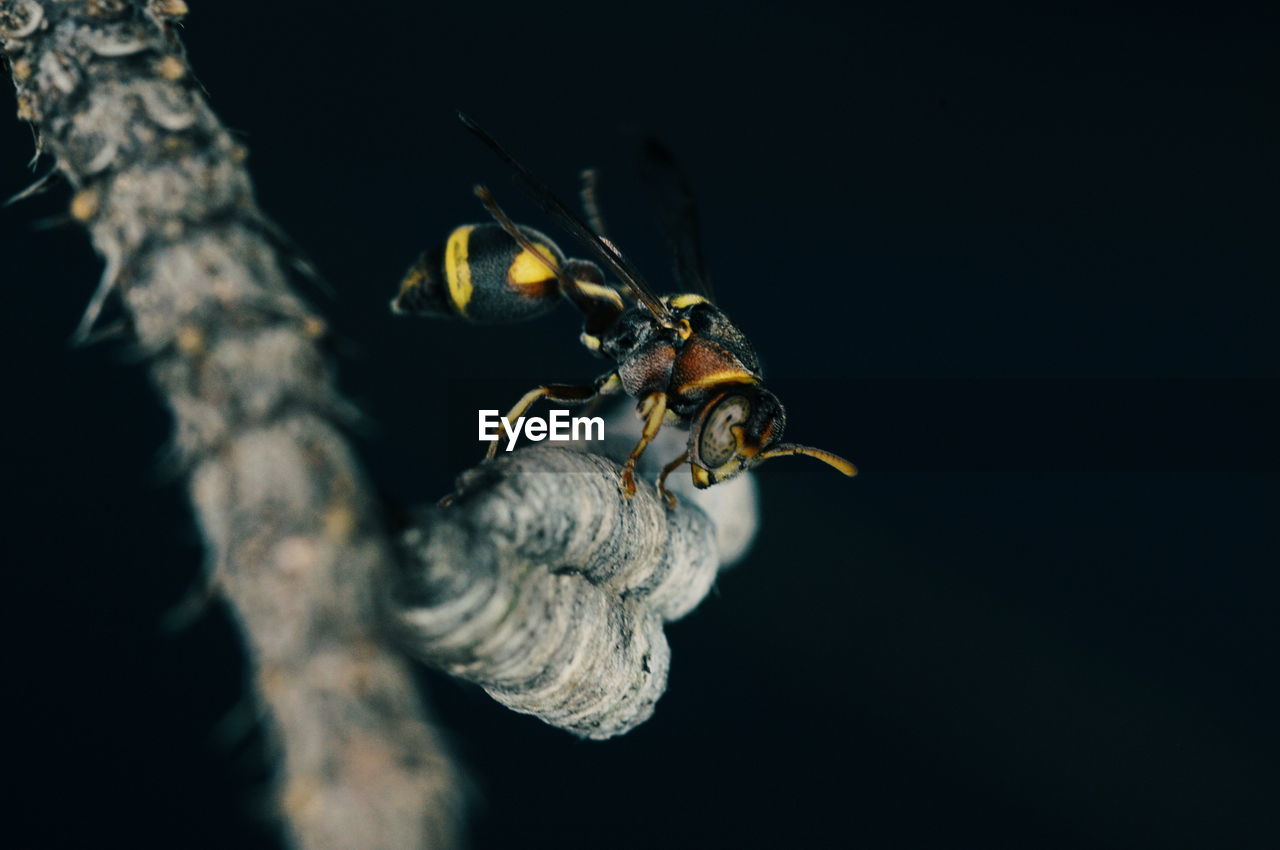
x,y
84,331
305,268
35,188
189,610
298,260
52,222
116,330
237,725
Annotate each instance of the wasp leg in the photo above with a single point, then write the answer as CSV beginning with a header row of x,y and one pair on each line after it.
x,y
662,479
563,393
653,409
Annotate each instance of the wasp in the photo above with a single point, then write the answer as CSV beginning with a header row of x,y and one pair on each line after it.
x,y
679,356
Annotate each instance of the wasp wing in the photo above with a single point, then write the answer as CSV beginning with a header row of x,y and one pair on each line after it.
x,y
678,212
603,248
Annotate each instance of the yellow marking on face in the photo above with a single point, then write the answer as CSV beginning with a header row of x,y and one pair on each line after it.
x,y
595,290
528,270
725,376
688,299
457,271
744,448
701,478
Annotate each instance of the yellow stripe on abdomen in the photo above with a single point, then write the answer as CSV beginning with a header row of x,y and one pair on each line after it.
x,y
528,270
457,270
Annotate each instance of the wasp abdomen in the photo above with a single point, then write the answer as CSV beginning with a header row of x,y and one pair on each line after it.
x,y
482,275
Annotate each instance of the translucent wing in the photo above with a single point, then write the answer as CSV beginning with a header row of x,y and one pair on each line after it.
x,y
678,212
603,248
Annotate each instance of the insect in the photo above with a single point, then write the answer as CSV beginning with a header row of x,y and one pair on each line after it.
x,y
679,356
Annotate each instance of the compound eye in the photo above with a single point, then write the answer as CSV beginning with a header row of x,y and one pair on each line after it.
x,y
717,445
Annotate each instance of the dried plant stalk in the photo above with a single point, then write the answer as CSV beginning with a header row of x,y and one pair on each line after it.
x,y
294,542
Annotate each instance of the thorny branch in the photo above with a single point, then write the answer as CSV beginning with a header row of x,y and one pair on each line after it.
x,y
550,596
293,541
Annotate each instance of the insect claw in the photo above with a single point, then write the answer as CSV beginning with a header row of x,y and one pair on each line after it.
x,y
627,481
670,497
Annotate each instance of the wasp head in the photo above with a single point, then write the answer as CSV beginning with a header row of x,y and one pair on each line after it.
x,y
740,429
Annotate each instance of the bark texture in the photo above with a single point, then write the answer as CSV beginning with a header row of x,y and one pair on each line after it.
x,y
293,539
559,608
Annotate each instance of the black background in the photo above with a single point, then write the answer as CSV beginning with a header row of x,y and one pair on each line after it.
x,y
1013,262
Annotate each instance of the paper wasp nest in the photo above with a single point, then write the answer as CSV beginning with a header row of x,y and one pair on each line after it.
x,y
541,583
